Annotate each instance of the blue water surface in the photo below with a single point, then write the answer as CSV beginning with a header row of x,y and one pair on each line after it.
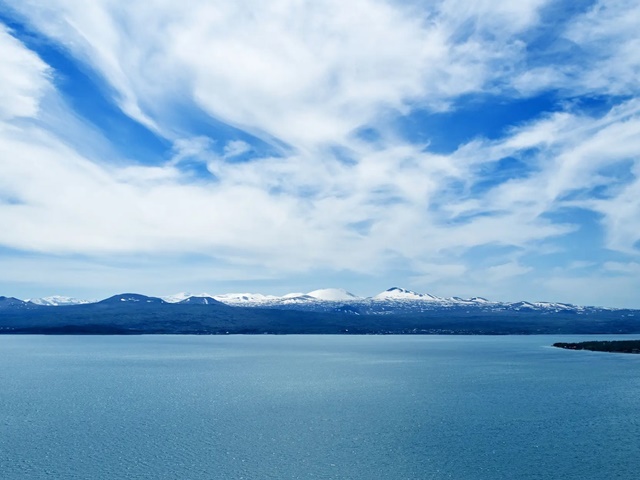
x,y
307,407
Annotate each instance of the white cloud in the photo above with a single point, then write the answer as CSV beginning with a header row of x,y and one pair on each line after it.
x,y
493,18
235,148
570,155
621,216
192,148
596,52
631,268
608,36
24,78
302,72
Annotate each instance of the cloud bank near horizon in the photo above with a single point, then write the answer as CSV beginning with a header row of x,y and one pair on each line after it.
x,y
460,149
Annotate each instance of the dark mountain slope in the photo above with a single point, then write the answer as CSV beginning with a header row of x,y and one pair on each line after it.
x,y
116,316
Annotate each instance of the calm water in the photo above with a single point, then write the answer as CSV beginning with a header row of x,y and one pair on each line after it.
x,y
326,407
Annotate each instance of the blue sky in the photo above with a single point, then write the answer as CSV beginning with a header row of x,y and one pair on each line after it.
x,y
450,147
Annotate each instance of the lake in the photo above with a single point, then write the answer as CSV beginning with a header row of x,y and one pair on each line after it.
x,y
316,407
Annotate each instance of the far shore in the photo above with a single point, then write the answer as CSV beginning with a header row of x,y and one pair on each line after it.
x,y
614,346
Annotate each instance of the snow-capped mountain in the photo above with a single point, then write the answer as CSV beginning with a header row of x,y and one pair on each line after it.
x,y
395,300
12,303
397,293
58,300
338,300
325,311
131,298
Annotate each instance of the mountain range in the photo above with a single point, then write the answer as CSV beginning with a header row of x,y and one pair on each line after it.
x,y
326,311
392,300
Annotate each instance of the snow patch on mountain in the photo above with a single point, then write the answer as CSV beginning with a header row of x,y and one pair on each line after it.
x,y
245,298
58,300
131,298
479,300
200,300
179,297
557,306
333,295
301,298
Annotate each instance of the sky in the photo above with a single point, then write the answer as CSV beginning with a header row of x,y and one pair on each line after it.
x,y
450,147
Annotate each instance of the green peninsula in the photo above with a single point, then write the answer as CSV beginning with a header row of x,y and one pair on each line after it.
x,y
615,346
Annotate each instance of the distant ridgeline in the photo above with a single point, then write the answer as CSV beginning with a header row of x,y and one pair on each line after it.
x,y
614,346
330,311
